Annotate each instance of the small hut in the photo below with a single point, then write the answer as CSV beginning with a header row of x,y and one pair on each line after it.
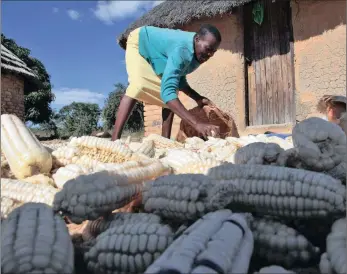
x,y
14,74
276,60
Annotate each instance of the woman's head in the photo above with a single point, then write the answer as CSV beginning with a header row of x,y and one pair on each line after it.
x,y
332,106
206,42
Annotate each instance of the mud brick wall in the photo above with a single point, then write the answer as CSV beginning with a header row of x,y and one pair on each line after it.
x,y
12,95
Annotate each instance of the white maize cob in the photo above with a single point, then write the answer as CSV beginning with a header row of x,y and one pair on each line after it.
x,y
65,155
321,145
69,172
206,247
102,150
27,192
147,148
336,246
280,244
258,153
89,197
198,167
178,158
7,205
274,269
135,172
129,248
281,191
36,241
26,156
40,179
162,142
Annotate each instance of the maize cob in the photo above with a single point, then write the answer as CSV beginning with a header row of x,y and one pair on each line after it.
x,y
183,197
194,143
198,167
258,153
36,241
280,244
65,155
179,158
69,172
128,248
206,247
274,269
102,150
321,145
162,142
7,205
98,226
339,172
5,169
26,156
343,122
281,191
336,246
325,266
88,197
290,158
27,192
147,148
40,179
135,172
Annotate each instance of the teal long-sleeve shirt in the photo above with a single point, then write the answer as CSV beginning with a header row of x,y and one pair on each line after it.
x,y
171,55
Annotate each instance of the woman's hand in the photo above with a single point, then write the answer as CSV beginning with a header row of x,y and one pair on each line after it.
x,y
203,101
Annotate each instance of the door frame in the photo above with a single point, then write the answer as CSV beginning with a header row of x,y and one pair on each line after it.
x,y
278,128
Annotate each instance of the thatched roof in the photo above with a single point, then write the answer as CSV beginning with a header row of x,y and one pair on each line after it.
x,y
172,14
11,63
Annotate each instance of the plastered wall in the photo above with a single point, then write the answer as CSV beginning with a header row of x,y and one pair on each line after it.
x,y
319,29
12,95
320,52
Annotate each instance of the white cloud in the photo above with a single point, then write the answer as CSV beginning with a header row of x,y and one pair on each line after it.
x,y
55,10
74,14
110,11
65,96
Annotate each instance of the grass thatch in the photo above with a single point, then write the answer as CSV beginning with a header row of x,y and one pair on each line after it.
x,y
11,63
172,14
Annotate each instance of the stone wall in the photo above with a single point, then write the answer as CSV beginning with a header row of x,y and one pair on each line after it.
x,y
12,95
320,52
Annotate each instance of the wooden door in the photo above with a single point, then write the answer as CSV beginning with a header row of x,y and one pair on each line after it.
x,y
269,65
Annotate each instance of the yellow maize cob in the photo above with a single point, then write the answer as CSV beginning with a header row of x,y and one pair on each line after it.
x,y
27,192
281,191
26,156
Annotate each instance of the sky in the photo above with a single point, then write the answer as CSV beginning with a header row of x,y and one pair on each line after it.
x,y
76,41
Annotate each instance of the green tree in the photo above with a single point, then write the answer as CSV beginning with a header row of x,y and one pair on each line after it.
x,y
37,94
109,112
77,119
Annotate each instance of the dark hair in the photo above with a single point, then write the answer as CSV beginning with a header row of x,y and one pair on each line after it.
x,y
205,29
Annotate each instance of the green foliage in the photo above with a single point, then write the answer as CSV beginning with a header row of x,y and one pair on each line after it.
x,y
109,112
38,94
77,119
